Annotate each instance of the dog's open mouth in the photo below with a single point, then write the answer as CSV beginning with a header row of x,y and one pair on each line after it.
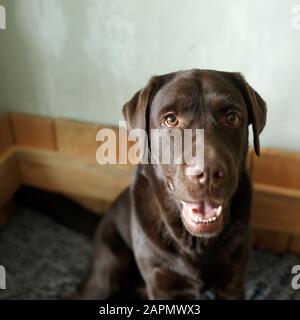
x,y
202,218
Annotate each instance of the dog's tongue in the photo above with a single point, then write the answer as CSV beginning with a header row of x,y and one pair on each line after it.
x,y
204,208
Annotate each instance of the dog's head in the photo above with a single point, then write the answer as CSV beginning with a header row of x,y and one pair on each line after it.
x,y
221,103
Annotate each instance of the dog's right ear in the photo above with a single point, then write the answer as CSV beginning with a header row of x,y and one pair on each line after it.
x,y
135,111
256,109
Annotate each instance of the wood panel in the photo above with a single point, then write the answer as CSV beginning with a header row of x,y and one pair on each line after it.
x,y
56,172
9,176
33,132
77,138
276,209
277,168
6,135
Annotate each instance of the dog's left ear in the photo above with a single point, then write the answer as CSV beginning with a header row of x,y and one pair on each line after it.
x,y
136,109
257,110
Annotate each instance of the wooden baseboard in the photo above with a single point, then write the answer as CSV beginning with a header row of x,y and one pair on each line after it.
x,y
62,159
276,209
6,133
54,171
9,175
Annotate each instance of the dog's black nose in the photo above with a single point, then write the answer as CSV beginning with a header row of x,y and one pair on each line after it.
x,y
212,175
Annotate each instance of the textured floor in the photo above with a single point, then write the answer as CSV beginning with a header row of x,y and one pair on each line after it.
x,y
45,260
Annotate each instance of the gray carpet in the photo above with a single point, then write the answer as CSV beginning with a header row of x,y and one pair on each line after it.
x,y
45,260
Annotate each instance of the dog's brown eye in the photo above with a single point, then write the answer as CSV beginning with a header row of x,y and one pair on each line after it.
x,y
171,120
233,119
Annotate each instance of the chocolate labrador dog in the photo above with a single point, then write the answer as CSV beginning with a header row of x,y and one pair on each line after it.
x,y
184,229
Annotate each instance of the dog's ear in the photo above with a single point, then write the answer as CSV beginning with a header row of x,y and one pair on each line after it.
x,y
257,110
136,109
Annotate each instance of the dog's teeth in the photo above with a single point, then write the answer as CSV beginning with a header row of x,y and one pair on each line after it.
x,y
197,219
194,218
219,211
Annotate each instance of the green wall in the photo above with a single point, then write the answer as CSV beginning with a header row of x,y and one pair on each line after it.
x,y
83,59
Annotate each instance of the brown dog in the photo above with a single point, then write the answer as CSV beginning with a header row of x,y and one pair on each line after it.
x,y
185,230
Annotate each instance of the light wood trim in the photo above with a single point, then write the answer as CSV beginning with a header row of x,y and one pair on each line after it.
x,y
6,134
290,194
33,131
57,172
277,168
76,138
276,209
9,176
